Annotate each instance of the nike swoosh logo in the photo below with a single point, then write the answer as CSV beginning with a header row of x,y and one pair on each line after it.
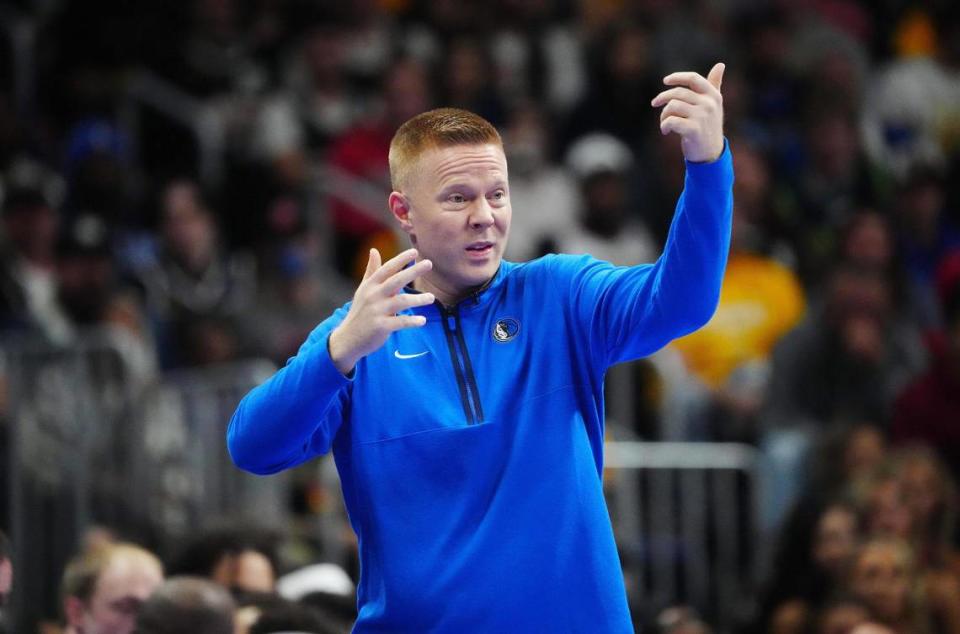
x,y
397,354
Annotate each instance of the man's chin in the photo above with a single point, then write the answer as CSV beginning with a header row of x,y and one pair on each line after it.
x,y
478,276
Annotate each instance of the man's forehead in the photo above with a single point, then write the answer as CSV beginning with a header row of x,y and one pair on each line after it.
x,y
126,571
448,162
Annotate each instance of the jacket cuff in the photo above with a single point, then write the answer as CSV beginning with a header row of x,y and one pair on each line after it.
x,y
716,173
329,374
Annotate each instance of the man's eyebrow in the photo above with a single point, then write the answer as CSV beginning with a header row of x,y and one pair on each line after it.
x,y
455,186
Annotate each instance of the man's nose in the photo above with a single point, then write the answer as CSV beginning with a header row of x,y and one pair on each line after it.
x,y
482,214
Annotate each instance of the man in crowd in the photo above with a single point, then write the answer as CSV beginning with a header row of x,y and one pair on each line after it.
x,y
462,395
104,587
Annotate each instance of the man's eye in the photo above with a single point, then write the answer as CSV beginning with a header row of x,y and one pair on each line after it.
x,y
457,198
499,194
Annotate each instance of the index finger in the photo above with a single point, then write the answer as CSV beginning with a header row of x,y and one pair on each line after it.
x,y
394,265
694,81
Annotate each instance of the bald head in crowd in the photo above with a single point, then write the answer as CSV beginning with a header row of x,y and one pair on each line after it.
x,y
188,604
103,588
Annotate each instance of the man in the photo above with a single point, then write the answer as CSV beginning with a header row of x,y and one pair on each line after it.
x,y
188,604
104,587
462,395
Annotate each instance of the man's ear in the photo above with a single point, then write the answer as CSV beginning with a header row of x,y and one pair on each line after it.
x,y
73,611
400,208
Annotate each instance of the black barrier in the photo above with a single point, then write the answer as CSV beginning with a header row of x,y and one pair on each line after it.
x,y
686,521
97,439
183,475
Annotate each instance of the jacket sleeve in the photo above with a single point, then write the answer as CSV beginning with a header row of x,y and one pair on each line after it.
x,y
630,312
296,413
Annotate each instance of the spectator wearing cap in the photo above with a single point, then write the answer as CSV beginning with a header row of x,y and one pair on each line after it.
x,y
607,227
92,297
86,278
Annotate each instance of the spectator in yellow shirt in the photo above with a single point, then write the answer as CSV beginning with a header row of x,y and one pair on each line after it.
x,y
760,301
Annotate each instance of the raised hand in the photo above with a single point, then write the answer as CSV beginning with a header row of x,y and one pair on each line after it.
x,y
694,110
373,313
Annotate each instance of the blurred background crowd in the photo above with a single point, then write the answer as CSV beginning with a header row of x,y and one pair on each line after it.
x,y
201,180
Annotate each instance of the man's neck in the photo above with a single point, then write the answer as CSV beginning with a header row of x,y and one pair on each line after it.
x,y
448,297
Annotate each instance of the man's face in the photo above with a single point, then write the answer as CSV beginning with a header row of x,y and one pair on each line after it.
x,y
120,591
457,212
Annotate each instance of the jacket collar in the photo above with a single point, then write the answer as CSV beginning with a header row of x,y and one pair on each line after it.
x,y
474,299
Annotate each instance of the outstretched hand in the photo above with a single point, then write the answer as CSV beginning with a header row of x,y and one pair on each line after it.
x,y
693,109
373,313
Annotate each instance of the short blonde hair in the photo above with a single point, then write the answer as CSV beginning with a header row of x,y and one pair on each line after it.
x,y
440,128
83,571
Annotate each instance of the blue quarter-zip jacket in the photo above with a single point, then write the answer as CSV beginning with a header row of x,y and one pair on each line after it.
x,y
470,450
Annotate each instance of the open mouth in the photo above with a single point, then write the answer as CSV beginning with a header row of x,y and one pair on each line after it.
x,y
480,248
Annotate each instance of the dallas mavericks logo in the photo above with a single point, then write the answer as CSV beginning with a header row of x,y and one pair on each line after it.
x,y
506,329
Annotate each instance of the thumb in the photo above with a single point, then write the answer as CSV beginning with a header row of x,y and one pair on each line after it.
x,y
372,264
716,75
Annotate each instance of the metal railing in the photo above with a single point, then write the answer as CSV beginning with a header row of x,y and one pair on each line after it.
x,y
685,517
182,474
93,440
67,465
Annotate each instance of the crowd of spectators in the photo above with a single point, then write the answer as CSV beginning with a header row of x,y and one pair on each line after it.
x,y
836,345
223,581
